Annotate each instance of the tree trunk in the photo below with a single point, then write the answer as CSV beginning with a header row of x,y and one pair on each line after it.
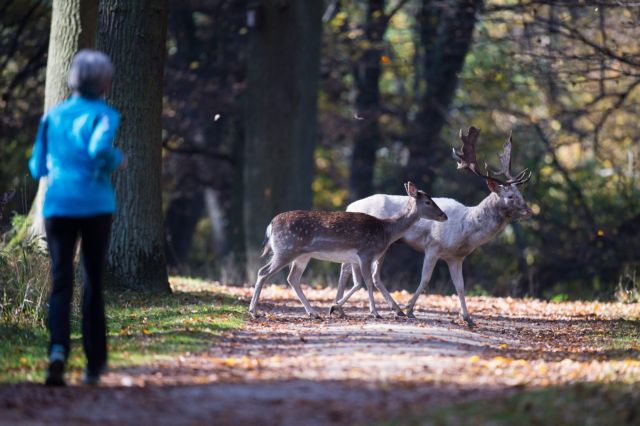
x,y
186,202
73,27
281,98
133,33
446,35
367,76
236,233
217,220
183,214
445,28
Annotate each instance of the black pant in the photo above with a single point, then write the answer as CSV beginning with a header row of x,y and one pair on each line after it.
x,y
62,235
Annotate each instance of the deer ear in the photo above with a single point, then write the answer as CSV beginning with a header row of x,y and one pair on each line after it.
x,y
411,189
493,186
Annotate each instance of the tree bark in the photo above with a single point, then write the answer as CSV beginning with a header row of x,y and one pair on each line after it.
x,y
205,100
133,33
446,34
73,27
281,98
186,202
366,75
182,216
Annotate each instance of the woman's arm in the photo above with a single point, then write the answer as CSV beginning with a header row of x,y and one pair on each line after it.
x,y
38,160
101,143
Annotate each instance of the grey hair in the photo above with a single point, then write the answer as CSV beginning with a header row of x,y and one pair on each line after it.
x,y
90,73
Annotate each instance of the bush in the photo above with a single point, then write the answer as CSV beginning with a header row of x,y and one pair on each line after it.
x,y
24,284
628,290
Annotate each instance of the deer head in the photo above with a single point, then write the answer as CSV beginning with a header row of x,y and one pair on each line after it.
x,y
511,202
425,206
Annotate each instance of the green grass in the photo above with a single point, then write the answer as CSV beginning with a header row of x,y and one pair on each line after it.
x,y
624,335
141,327
581,404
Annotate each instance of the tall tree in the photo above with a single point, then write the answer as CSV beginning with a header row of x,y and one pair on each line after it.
x,y
366,75
133,33
446,30
202,110
186,202
73,27
281,106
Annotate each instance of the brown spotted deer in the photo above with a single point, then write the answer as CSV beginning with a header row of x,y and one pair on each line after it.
x,y
358,239
466,229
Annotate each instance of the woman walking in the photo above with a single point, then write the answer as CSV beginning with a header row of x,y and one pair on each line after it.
x,y
74,150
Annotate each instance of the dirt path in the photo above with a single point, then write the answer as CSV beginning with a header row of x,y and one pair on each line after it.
x,y
287,369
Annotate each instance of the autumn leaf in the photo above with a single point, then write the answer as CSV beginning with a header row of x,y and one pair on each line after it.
x,y
230,362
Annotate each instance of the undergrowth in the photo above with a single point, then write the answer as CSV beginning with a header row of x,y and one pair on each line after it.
x,y
24,284
628,289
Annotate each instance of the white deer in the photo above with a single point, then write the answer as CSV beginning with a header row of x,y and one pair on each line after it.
x,y
354,238
466,229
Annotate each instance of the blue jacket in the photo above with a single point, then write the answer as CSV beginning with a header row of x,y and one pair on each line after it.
x,y
73,149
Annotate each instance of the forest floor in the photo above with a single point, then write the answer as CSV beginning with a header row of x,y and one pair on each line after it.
x,y
526,362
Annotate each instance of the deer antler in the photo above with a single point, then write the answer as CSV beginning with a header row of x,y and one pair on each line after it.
x,y
467,155
466,158
505,162
505,159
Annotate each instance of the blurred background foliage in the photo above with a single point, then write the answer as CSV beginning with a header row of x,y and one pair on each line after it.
x,y
562,76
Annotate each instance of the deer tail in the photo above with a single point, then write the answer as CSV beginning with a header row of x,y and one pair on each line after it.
x,y
265,243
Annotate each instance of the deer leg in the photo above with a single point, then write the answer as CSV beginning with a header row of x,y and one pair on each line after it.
x,y
345,274
275,264
357,285
377,281
455,269
263,274
297,269
365,267
427,269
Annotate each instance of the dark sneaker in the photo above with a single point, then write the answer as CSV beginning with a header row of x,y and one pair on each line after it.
x,y
55,374
92,378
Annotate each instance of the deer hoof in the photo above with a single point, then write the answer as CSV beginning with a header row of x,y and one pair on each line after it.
x,y
314,315
411,315
469,321
375,315
337,309
254,315
400,314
